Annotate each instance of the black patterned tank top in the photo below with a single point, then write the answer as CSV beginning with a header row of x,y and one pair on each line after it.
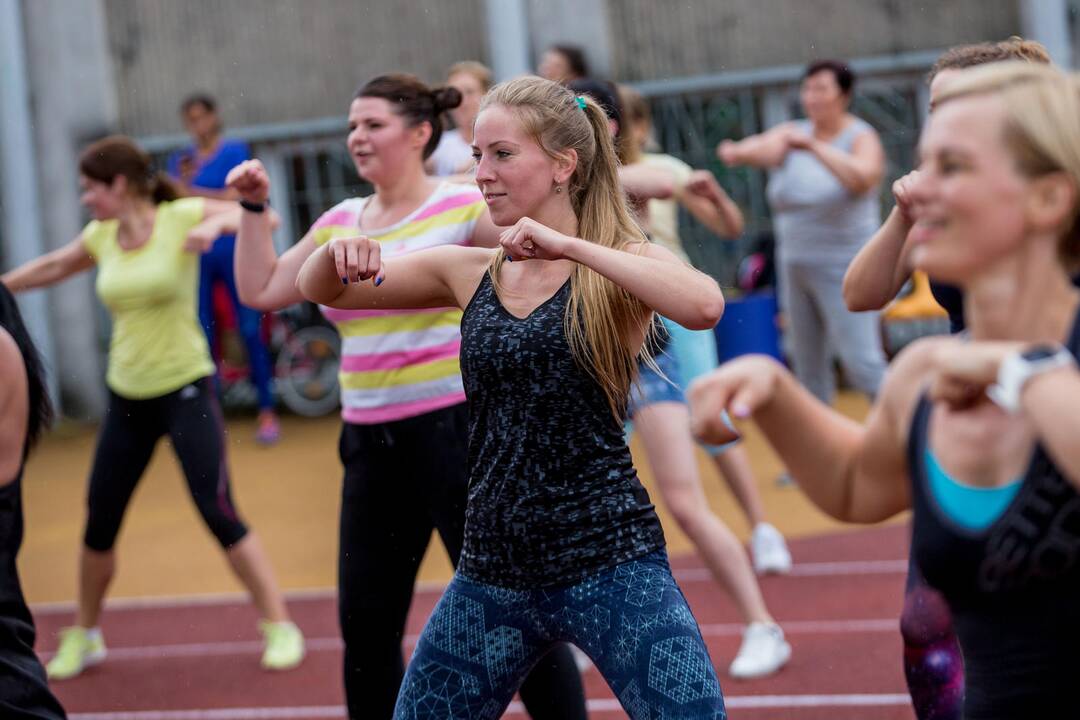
x,y
553,495
1013,587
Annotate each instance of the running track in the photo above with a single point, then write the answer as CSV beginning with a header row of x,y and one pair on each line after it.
x,y
197,658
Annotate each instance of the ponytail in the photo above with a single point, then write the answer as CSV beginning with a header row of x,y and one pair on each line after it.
x,y
602,318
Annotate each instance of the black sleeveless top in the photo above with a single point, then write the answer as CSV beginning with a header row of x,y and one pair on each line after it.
x,y
24,692
553,495
1013,588
951,298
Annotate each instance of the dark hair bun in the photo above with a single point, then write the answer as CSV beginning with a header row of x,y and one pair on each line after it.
x,y
446,98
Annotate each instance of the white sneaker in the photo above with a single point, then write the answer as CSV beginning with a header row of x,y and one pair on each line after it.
x,y
763,652
769,550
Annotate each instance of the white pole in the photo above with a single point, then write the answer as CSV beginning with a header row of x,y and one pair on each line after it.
x,y
508,38
1048,22
21,229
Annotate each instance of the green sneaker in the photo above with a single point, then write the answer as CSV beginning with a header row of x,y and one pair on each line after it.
x,y
284,645
79,649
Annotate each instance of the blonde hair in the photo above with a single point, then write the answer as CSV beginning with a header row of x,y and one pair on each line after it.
x,y
1042,125
601,317
635,112
478,70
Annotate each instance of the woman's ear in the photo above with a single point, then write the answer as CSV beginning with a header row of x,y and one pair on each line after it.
x,y
119,184
565,165
1051,205
421,134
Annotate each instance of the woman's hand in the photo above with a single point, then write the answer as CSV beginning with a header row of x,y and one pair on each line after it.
x,y
798,140
964,370
726,152
356,259
528,239
202,237
250,180
901,190
703,184
741,387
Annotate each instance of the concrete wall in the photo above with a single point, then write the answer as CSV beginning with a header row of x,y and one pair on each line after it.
x,y
276,61
73,101
654,40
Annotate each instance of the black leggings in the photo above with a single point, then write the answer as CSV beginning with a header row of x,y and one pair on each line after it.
x,y
402,480
192,419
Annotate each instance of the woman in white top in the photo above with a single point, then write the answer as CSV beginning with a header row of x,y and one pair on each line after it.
x,y
453,155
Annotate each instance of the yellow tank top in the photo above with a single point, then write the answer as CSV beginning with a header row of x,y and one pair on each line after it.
x,y
151,292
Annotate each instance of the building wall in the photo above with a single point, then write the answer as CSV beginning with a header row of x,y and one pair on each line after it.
x,y
654,40
276,61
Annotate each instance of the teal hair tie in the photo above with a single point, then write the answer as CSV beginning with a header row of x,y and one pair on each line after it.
x,y
580,102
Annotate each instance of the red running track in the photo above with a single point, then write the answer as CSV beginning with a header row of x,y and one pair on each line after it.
x,y
192,659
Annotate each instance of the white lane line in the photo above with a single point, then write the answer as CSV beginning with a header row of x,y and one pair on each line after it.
x,y
693,574
320,712
328,644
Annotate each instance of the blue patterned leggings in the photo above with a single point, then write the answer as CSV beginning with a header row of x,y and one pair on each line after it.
x,y
632,620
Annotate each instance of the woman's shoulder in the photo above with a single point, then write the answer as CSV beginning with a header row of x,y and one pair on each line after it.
x,y
345,213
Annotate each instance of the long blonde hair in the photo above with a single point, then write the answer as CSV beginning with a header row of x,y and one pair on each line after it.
x,y
601,317
1042,125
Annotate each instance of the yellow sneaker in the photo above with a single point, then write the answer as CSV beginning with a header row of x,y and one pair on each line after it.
x,y
79,649
284,645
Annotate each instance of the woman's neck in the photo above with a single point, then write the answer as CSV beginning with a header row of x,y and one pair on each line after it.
x,y
1028,298
208,145
831,126
136,220
409,189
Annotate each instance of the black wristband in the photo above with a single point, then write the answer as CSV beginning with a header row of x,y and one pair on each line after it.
x,y
253,207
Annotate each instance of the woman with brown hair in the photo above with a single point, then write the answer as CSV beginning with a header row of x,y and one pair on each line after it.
x,y
823,181
561,541
145,244
403,438
976,435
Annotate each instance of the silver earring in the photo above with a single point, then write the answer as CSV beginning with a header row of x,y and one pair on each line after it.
x,y
558,188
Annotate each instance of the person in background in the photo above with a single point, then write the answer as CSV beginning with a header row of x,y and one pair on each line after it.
x,y
25,413
824,175
700,193
201,169
453,156
144,241
563,64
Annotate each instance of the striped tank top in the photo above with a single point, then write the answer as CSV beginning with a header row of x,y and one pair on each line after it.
x,y
397,364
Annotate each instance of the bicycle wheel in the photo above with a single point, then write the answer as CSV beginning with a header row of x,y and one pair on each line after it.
x,y
307,371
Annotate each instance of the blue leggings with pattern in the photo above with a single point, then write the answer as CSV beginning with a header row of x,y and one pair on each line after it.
x,y
632,621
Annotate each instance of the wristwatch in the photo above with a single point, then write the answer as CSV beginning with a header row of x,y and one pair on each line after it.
x,y
1019,367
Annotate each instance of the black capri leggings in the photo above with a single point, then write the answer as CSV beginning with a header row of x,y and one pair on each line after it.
x,y
402,480
192,419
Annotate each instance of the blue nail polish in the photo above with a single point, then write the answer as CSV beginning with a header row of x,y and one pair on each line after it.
x,y
509,259
344,280
378,281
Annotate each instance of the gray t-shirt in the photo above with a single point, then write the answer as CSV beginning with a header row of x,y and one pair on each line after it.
x,y
815,218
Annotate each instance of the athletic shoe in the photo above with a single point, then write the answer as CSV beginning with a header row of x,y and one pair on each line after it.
x,y
79,649
763,652
269,431
769,550
284,645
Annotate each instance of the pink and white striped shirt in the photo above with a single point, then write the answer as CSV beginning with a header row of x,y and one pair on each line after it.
x,y
397,364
